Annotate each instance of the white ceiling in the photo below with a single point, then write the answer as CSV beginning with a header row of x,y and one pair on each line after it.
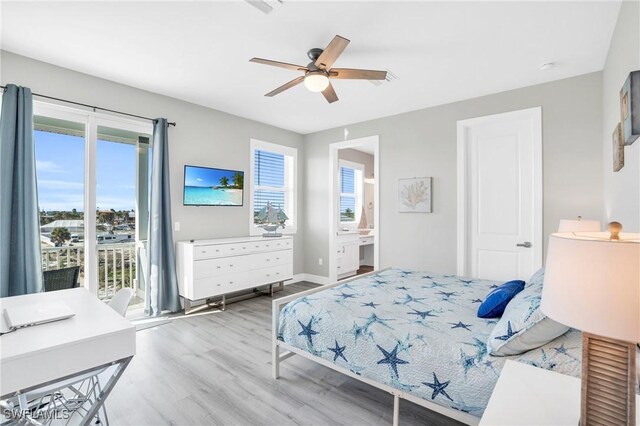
x,y
199,51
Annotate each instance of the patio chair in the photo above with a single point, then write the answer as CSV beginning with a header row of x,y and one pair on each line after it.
x,y
61,279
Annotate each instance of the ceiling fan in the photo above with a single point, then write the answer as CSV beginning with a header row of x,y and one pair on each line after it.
x,y
318,72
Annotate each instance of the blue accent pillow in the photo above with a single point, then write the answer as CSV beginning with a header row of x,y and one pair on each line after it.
x,y
495,303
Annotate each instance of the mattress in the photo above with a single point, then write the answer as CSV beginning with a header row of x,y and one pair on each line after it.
x,y
417,332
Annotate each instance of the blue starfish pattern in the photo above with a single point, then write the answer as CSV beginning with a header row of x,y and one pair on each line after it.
x,y
408,299
460,324
422,314
374,319
307,331
357,331
561,350
533,307
391,358
467,362
447,294
338,352
510,333
425,337
438,387
346,295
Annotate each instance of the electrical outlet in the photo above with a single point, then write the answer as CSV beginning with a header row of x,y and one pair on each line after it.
x,y
320,261
176,226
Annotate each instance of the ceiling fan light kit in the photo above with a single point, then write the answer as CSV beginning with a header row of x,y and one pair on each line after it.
x,y
318,72
316,81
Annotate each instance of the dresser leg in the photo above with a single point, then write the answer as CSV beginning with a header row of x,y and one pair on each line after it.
x,y
224,302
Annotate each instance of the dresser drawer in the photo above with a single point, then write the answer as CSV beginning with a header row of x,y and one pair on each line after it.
x,y
220,266
207,252
215,286
271,275
267,260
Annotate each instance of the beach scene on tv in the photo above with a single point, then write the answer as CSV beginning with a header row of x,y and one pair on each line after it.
x,y
204,186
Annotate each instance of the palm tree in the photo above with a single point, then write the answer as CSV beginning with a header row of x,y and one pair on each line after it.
x,y
59,235
224,181
238,180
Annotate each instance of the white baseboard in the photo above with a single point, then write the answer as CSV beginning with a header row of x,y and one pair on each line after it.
x,y
316,279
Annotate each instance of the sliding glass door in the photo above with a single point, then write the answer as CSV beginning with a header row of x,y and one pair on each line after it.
x,y
93,188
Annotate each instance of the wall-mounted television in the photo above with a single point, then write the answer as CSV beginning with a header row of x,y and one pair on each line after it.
x,y
205,186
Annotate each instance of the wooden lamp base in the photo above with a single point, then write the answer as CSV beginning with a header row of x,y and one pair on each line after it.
x,y
608,382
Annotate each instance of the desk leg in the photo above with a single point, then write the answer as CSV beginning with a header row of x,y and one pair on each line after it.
x,y
104,393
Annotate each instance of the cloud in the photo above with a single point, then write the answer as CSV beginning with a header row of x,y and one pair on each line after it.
x,y
48,166
199,180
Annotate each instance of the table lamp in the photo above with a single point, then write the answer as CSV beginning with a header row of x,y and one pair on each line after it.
x,y
592,283
579,225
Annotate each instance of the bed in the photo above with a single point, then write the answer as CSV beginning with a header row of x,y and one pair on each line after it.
x,y
413,334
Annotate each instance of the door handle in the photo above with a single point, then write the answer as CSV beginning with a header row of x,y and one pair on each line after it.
x,y
526,244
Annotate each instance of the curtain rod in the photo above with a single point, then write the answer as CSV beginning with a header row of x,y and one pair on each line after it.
x,y
94,107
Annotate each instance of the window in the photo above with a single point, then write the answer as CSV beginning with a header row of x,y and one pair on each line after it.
x,y
92,162
273,180
351,175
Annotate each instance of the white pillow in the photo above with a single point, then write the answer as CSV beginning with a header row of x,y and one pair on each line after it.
x,y
523,326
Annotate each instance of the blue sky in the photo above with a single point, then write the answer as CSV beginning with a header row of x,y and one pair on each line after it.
x,y
201,176
60,171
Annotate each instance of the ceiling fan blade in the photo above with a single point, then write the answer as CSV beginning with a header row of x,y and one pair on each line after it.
x,y
330,94
286,86
356,74
279,64
331,53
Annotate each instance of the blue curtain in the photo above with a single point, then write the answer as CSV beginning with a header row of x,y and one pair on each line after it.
x,y
161,284
20,265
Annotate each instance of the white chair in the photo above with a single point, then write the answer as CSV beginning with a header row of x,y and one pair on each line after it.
x,y
120,302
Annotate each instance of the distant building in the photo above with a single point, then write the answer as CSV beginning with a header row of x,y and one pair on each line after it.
x,y
75,227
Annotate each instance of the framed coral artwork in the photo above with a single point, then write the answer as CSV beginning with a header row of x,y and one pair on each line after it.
x,y
414,195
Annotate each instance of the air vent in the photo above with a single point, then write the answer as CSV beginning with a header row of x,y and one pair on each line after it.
x,y
265,6
390,77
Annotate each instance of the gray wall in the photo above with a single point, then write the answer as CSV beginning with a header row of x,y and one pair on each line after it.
x,y
203,136
365,159
423,143
621,189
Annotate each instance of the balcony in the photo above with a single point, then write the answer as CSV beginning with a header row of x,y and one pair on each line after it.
x,y
116,265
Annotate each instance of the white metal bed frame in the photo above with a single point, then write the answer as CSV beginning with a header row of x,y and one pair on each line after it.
x,y
290,351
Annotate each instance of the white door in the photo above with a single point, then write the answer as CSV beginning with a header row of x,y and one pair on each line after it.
x,y
500,195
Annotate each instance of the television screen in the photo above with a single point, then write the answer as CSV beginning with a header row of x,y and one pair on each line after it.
x,y
204,186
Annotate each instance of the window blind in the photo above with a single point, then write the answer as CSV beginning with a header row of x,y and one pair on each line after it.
x,y
347,194
269,180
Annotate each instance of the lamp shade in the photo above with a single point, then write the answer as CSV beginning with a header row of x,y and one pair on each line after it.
x,y
579,225
593,284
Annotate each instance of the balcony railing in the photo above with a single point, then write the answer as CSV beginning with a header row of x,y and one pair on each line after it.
x,y
116,265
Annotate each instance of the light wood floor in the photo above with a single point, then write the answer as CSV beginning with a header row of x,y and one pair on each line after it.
x,y
215,368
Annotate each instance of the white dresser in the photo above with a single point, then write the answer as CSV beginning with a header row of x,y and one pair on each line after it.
x,y
208,268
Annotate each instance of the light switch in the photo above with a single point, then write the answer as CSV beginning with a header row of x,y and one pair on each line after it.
x,y
176,226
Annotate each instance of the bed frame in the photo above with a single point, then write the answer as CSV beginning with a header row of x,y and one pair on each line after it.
x,y
288,351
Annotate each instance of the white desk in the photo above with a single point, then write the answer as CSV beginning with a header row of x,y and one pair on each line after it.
x,y
40,355
526,395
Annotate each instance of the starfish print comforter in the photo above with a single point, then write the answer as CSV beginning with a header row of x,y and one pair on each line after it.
x,y
417,332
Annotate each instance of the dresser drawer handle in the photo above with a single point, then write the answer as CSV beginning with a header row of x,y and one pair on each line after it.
x,y
231,265
230,282
218,267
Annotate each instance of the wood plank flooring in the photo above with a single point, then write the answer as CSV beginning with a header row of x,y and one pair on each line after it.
x,y
214,368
